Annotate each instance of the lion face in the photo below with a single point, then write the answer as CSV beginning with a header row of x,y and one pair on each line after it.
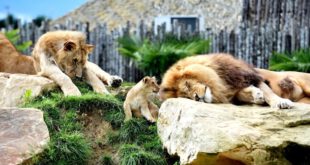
x,y
72,58
195,90
150,84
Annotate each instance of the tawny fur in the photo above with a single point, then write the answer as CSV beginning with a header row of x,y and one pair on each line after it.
x,y
223,74
288,84
11,61
139,100
62,55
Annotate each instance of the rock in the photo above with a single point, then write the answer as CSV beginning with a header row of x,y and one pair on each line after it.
x,y
23,134
201,133
14,86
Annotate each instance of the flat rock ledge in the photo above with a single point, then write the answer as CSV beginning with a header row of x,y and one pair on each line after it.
x,y
201,133
14,86
23,134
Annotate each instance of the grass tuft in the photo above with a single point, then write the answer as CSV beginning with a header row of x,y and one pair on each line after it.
x,y
66,148
106,160
131,154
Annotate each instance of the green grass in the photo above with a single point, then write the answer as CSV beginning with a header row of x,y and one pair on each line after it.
x,y
68,144
141,141
132,154
106,160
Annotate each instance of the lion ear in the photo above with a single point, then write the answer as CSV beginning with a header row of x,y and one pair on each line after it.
x,y
188,85
69,46
89,48
146,79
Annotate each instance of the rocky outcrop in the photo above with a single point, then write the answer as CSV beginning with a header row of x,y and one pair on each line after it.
x,y
23,134
217,14
14,86
201,133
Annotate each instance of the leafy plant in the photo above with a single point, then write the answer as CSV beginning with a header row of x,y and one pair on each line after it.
x,y
154,58
27,96
13,37
296,61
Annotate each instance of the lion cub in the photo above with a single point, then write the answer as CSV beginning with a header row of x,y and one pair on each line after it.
x,y
138,100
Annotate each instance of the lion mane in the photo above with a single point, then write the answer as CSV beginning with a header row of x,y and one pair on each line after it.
x,y
224,74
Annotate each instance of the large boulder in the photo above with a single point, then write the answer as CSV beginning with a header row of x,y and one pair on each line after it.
x,y
201,133
23,134
14,86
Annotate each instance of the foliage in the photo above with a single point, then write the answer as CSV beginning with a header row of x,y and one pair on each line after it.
x,y
27,96
9,20
142,138
39,19
106,160
13,37
66,148
132,154
154,58
296,61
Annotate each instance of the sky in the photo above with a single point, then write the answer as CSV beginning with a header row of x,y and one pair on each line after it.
x,y
26,10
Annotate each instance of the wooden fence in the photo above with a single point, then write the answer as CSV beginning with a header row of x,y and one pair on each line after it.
x,y
266,26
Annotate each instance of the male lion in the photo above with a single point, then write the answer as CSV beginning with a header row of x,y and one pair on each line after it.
x,y
138,100
288,84
216,78
61,55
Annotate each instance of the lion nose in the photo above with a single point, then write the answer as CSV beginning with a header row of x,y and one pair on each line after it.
x,y
197,97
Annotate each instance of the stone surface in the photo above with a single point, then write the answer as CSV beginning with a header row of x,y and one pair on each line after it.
x,y
14,86
23,134
217,14
201,133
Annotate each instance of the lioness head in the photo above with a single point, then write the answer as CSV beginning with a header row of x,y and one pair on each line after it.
x,y
195,90
72,57
150,84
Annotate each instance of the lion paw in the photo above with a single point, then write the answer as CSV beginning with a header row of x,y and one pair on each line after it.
x,y
152,120
72,92
258,96
115,81
283,104
100,89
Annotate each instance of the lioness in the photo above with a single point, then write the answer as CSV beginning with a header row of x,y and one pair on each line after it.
x,y
216,78
62,55
11,61
138,100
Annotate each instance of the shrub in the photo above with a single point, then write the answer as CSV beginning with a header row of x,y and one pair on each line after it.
x,y
154,58
296,61
13,37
